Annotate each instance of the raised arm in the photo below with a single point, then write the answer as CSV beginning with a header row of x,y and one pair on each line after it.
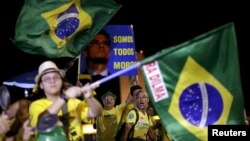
x,y
95,107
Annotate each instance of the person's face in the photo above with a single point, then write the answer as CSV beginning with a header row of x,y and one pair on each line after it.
x,y
51,83
134,94
109,102
150,111
99,47
142,100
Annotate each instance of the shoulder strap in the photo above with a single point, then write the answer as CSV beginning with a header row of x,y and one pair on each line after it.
x,y
137,115
65,119
131,132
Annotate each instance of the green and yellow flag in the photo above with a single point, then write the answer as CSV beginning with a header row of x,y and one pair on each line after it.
x,y
196,84
61,28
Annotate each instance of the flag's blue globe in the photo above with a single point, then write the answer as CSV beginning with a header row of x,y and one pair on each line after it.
x,y
67,22
197,104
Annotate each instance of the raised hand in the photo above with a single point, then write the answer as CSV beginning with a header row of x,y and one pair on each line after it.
x,y
28,131
87,89
5,123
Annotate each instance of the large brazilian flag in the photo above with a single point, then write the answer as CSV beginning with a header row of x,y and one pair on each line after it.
x,y
196,84
61,28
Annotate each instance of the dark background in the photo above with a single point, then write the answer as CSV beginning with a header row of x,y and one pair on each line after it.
x,y
157,25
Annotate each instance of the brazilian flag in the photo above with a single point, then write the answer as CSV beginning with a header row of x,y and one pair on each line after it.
x,y
196,84
61,28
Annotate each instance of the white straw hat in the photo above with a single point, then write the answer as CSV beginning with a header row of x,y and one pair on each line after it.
x,y
46,67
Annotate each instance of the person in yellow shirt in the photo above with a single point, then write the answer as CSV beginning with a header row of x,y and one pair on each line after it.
x,y
140,128
107,123
50,81
133,90
160,132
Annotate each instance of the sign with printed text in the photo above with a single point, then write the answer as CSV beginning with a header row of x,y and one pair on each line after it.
x,y
122,48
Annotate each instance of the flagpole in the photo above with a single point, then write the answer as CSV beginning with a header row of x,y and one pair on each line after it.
x,y
79,66
105,79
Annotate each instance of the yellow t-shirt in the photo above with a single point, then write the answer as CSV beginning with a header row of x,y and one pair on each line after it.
x,y
78,111
125,112
108,122
160,132
142,126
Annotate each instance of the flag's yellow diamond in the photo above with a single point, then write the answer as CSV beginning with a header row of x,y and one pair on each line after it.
x,y
193,103
65,21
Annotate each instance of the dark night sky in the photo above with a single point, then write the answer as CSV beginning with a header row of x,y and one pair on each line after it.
x,y
157,25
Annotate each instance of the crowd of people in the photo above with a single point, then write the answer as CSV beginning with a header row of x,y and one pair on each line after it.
x,y
63,101
84,103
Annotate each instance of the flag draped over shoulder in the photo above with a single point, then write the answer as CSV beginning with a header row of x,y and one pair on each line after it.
x,y
196,84
61,28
